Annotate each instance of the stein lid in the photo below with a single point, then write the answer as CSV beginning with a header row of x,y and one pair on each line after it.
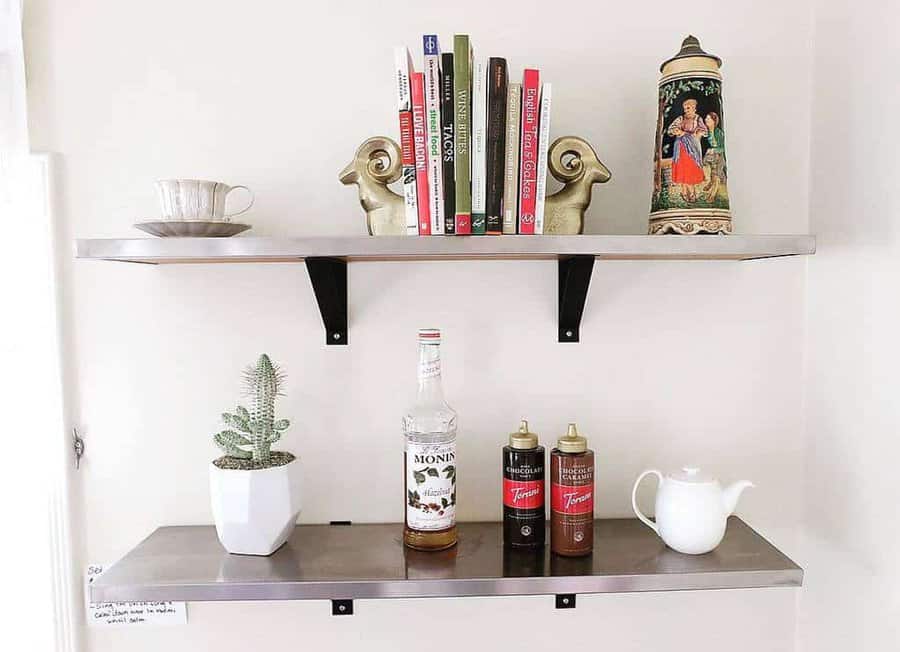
x,y
690,47
523,440
572,442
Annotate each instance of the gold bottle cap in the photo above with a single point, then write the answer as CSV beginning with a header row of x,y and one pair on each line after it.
x,y
572,442
523,439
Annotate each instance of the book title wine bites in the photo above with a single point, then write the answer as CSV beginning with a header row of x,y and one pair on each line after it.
x,y
473,143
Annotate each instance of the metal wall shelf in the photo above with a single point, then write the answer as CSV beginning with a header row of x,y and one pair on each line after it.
x,y
326,258
342,563
161,251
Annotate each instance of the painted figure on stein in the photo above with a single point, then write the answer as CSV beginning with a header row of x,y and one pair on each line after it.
x,y
690,189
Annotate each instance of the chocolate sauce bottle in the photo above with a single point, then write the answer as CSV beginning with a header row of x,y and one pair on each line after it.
x,y
572,496
523,490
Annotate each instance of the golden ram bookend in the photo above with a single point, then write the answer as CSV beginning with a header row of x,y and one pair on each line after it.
x,y
573,162
376,164
570,160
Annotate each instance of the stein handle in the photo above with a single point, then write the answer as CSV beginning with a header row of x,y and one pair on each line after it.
x,y
247,207
646,521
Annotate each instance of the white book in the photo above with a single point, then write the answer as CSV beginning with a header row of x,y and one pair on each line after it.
x,y
479,146
543,146
511,164
432,51
403,67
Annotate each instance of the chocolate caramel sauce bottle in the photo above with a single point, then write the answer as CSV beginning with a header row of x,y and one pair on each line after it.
x,y
524,519
572,496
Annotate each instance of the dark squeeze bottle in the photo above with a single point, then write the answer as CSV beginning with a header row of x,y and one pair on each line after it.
x,y
523,490
572,496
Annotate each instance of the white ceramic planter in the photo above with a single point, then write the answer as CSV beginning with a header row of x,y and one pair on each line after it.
x,y
255,511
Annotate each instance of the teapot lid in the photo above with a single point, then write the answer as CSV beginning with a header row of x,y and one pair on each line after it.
x,y
693,475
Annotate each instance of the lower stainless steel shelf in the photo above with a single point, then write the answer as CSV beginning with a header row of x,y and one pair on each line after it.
x,y
335,562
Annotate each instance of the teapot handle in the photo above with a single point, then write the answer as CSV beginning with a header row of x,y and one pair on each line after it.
x,y
646,521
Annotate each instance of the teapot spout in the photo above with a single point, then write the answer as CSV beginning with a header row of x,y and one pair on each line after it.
x,y
732,493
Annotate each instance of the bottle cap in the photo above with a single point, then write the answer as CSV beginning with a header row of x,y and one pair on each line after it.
x,y
572,442
429,336
523,439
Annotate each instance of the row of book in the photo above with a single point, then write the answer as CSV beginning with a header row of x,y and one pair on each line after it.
x,y
473,144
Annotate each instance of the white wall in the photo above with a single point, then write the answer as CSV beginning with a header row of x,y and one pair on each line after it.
x,y
852,567
680,362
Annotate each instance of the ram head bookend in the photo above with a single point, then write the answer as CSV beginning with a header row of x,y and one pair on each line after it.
x,y
574,162
570,160
376,164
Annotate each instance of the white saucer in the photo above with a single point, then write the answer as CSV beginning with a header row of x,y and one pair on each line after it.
x,y
191,228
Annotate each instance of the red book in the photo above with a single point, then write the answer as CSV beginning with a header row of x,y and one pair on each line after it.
x,y
420,145
531,110
408,165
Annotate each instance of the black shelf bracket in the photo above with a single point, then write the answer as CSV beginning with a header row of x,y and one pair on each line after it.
x,y
574,280
342,607
329,281
565,600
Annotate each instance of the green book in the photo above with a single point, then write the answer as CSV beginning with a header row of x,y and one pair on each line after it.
x,y
462,93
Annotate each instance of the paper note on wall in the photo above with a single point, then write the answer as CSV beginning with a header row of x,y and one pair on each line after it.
x,y
106,614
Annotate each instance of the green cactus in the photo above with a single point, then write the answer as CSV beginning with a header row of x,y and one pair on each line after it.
x,y
250,435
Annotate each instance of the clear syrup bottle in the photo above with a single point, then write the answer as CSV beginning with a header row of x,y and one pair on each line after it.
x,y
429,457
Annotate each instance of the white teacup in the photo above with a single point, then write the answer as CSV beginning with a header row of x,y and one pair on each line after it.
x,y
192,199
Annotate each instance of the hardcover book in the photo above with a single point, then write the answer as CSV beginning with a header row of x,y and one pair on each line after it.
x,y
531,88
543,145
511,171
447,142
402,66
462,95
432,50
420,148
479,146
496,143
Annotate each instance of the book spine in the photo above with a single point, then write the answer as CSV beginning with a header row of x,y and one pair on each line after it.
x,y
420,147
511,180
543,146
402,67
496,143
479,147
531,89
462,95
408,173
432,52
447,142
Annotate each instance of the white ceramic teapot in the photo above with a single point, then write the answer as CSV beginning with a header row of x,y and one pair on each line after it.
x,y
692,509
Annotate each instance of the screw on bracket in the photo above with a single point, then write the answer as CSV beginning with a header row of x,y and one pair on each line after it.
x,y
565,601
77,447
342,607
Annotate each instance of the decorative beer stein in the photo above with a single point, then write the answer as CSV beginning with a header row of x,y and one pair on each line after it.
x,y
690,189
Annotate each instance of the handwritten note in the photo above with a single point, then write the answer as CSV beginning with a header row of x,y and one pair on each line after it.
x,y
113,614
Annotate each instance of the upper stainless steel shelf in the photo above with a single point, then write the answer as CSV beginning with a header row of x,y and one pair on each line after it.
x,y
612,247
368,561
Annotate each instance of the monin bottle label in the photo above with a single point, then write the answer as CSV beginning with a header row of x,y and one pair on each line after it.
x,y
430,485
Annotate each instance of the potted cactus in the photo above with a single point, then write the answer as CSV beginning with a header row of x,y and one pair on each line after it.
x,y
255,490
